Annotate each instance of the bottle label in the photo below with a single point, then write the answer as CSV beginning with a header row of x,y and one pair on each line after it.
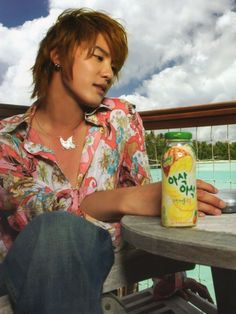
x,y
179,199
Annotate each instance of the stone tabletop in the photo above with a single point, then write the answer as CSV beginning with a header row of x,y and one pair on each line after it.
x,y
212,242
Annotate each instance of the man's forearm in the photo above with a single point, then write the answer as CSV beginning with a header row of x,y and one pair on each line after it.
x,y
113,204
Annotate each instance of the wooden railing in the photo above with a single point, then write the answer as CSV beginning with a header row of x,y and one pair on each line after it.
x,y
191,116
7,110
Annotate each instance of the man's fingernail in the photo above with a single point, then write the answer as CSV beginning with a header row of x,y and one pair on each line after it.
x,y
217,212
222,204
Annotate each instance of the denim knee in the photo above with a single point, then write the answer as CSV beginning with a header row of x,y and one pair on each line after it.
x,y
58,252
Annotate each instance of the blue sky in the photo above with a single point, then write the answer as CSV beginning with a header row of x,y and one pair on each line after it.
x,y
181,52
15,12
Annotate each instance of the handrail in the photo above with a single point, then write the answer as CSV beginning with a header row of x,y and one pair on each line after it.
x,y
191,116
8,110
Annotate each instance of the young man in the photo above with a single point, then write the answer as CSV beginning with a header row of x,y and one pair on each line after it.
x,y
74,158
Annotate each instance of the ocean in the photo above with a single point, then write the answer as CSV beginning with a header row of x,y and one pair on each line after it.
x,y
220,173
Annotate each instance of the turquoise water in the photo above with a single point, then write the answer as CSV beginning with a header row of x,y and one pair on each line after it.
x,y
223,175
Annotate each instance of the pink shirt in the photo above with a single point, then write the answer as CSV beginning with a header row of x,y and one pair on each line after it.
x,y
113,156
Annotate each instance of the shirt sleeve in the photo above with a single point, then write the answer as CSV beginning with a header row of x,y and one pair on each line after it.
x,y
135,168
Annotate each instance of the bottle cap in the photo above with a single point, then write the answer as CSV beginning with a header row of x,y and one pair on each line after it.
x,y
178,135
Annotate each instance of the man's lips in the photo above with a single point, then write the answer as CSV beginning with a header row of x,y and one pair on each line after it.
x,y
101,87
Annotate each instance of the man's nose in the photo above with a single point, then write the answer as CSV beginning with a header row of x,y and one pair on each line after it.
x,y
107,72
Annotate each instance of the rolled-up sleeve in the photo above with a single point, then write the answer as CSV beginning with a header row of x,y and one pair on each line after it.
x,y
135,167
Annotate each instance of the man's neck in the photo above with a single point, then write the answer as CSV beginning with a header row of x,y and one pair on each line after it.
x,y
60,110
63,115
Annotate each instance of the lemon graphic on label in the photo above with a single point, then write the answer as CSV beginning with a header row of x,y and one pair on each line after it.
x,y
177,215
183,164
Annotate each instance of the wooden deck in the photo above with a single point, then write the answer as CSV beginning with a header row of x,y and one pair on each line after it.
x,y
144,303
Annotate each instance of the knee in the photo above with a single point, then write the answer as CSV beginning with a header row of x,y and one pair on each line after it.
x,y
60,240
67,231
61,225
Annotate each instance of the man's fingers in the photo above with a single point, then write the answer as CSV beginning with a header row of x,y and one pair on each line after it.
x,y
203,185
204,208
208,201
211,199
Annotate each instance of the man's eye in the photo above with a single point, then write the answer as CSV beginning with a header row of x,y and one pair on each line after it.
x,y
99,58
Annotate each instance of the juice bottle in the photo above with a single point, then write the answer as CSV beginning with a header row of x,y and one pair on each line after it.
x,y
179,199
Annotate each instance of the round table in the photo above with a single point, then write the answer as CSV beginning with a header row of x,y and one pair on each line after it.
x,y
212,242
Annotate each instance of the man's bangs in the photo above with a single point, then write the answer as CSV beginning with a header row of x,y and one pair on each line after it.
x,y
117,50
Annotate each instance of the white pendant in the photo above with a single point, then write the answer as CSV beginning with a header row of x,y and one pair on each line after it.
x,y
67,144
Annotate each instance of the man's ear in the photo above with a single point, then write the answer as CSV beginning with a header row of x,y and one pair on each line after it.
x,y
54,56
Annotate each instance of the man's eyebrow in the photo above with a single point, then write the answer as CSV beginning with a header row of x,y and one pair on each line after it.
x,y
102,50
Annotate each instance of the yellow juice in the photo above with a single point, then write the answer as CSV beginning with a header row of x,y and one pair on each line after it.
x,y
179,199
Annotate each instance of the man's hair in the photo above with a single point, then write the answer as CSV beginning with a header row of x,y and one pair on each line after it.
x,y
72,28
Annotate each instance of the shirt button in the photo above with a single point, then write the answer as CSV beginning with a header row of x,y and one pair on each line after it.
x,y
79,178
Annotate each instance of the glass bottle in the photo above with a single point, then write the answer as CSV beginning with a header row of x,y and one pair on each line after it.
x,y
179,192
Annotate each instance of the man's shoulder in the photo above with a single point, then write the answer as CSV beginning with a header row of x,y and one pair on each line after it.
x,y
10,123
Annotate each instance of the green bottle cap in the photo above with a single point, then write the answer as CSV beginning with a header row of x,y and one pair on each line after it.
x,y
178,135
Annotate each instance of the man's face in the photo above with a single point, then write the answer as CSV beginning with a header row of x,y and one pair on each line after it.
x,y
91,75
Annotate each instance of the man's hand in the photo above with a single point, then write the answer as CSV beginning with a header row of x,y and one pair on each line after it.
x,y
208,202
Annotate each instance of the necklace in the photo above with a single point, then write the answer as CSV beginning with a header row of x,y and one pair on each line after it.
x,y
66,144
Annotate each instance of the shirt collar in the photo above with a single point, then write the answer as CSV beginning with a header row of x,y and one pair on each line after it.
x,y
97,116
9,124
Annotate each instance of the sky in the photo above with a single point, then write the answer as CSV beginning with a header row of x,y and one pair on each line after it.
x,y
181,52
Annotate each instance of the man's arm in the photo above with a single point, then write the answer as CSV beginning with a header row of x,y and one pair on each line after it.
x,y
144,200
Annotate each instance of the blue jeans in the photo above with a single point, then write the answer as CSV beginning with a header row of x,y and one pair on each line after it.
x,y
58,264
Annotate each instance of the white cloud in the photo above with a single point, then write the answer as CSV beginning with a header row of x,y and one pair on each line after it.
x,y
18,47
181,52
200,49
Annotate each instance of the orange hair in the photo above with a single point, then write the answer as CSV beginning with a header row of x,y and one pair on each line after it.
x,y
73,27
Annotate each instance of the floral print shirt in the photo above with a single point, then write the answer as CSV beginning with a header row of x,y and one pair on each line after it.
x,y
113,156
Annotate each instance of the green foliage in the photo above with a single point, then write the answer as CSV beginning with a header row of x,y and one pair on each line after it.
x,y
154,145
233,150
204,150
